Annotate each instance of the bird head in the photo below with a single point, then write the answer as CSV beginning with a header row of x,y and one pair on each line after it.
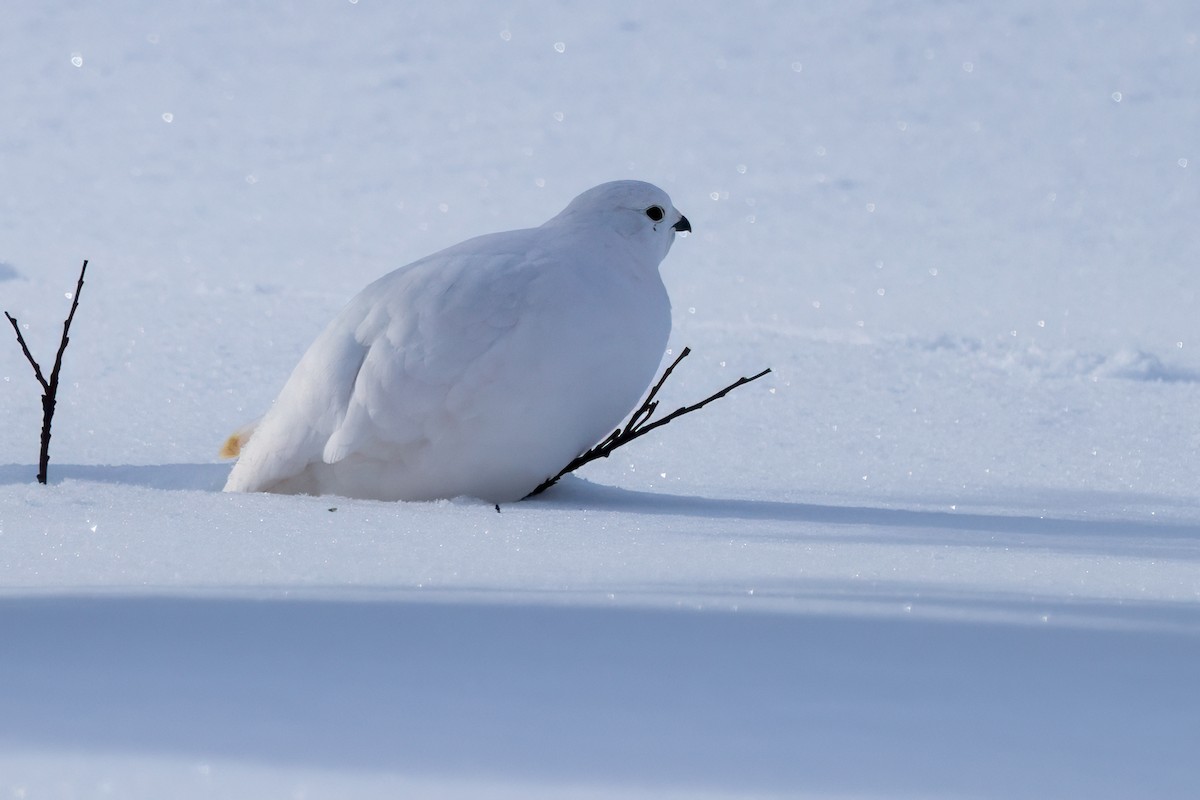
x,y
637,211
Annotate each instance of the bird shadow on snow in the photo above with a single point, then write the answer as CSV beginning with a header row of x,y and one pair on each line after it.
x,y
577,492
604,696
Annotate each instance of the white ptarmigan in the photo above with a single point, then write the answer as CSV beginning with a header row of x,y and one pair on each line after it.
x,y
482,369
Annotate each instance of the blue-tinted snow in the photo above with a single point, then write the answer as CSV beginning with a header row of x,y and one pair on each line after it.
x,y
950,548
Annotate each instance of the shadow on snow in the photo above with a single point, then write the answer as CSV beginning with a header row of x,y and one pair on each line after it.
x,y
744,701
573,491
583,494
178,477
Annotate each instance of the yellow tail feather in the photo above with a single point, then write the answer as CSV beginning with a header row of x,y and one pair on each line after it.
x,y
237,440
232,447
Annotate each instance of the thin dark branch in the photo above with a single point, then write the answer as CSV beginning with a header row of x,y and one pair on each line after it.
x,y
50,387
639,422
649,406
37,370
62,345
679,412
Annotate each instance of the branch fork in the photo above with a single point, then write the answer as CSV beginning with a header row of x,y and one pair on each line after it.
x,y
640,424
49,387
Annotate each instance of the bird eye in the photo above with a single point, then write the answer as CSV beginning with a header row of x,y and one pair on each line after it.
x,y
655,213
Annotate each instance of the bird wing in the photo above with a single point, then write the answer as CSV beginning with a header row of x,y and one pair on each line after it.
x,y
378,380
425,338
403,363
292,432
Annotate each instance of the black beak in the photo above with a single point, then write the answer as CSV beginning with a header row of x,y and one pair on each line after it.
x,y
683,226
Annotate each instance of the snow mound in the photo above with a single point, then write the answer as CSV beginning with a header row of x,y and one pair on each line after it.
x,y
1035,360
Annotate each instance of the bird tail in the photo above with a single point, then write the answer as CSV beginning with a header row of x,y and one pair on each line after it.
x,y
237,440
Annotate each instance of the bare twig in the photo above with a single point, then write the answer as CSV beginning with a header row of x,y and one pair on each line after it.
x,y
639,423
49,387
37,371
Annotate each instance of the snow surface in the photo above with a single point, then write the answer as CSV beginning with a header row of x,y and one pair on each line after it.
x,y
951,548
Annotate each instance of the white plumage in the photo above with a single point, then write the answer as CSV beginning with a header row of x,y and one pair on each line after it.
x,y
482,369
